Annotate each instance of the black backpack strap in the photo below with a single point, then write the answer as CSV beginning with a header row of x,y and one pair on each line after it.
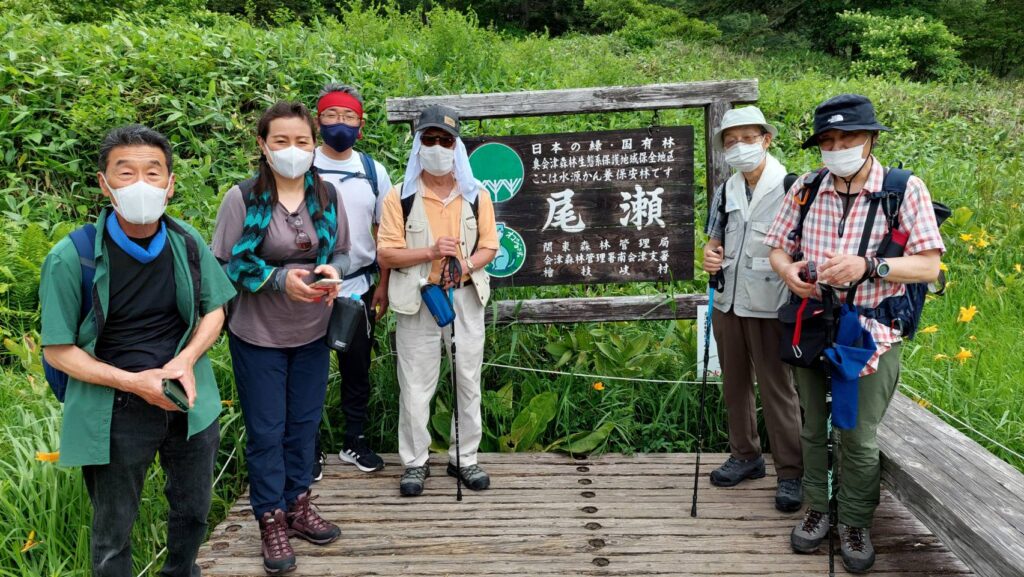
x,y
193,258
788,181
894,188
247,186
804,199
406,202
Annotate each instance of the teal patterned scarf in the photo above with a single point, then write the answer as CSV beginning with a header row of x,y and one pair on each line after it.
x,y
250,271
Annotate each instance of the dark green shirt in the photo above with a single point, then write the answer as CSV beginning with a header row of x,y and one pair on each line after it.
x,y
85,437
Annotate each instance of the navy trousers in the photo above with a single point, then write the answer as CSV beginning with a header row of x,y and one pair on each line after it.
x,y
282,395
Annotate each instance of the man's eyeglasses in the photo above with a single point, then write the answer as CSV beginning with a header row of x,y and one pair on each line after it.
x,y
331,117
748,139
445,141
302,239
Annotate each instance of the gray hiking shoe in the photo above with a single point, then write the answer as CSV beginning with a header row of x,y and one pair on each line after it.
x,y
734,470
412,480
789,495
810,532
473,476
856,549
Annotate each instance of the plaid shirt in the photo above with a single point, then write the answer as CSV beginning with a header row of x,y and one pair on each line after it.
x,y
821,235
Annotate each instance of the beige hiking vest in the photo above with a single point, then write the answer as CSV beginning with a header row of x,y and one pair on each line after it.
x,y
404,285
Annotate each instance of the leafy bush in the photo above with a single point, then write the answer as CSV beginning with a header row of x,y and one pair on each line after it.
x,y
916,47
643,24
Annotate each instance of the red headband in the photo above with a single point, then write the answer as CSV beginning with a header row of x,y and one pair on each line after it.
x,y
342,99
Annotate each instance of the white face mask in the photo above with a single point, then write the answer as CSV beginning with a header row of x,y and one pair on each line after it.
x,y
745,157
846,162
291,162
437,160
139,202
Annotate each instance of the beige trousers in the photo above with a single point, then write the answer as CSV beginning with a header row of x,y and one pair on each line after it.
x,y
419,341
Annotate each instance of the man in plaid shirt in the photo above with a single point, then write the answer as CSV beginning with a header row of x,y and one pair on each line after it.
x,y
845,131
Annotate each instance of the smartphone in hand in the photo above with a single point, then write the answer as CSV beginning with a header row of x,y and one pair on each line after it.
x,y
176,393
326,283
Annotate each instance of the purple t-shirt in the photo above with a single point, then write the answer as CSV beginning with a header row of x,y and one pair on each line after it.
x,y
269,318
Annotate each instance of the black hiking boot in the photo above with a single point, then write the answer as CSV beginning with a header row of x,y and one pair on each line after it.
x,y
734,470
789,495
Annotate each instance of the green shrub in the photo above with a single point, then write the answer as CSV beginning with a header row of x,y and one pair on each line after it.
x,y
643,24
916,47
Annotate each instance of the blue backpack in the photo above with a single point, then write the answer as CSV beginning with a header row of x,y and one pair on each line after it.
x,y
84,239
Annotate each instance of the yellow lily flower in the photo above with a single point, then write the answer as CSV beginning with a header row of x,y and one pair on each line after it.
x,y
48,457
967,314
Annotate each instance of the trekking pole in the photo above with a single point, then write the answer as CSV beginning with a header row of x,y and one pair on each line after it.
x,y
828,299
454,270
717,282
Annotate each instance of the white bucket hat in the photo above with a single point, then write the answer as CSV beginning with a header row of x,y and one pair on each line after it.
x,y
741,117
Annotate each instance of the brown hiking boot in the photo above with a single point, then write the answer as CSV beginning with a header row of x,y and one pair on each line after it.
x,y
278,556
305,523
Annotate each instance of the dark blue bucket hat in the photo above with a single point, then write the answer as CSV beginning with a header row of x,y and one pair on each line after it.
x,y
847,112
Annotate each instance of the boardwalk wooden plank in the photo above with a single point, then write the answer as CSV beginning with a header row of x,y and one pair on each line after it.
x,y
970,509
629,517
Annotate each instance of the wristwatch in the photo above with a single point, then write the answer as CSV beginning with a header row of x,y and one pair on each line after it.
x,y
882,268
469,263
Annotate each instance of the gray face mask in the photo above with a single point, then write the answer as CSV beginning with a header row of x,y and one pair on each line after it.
x,y
139,202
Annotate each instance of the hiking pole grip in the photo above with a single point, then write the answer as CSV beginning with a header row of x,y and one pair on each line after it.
x,y
703,393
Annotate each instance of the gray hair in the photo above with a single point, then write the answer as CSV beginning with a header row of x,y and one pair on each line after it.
x,y
337,87
134,135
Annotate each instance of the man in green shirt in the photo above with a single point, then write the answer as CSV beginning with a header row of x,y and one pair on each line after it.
x,y
157,297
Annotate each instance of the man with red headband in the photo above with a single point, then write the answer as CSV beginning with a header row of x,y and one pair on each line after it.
x,y
363,183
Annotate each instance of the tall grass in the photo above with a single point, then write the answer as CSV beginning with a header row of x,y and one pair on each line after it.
x,y
203,79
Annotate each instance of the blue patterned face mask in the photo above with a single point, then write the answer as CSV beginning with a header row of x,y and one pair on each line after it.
x,y
340,136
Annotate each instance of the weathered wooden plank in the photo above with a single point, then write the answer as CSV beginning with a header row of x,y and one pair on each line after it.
x,y
929,479
635,523
596,309
717,169
579,100
671,563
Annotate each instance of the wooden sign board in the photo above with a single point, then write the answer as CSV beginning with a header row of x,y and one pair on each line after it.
x,y
590,207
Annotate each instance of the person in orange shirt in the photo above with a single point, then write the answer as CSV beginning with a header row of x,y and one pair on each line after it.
x,y
439,211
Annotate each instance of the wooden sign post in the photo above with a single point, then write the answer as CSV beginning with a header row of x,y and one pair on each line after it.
x,y
594,207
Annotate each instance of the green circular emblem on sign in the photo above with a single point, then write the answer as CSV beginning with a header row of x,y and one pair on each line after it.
x,y
511,253
499,168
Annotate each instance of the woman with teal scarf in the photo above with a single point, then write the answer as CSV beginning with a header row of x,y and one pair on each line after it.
x,y
276,234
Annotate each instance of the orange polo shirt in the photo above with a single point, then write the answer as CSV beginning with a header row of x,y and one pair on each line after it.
x,y
444,218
